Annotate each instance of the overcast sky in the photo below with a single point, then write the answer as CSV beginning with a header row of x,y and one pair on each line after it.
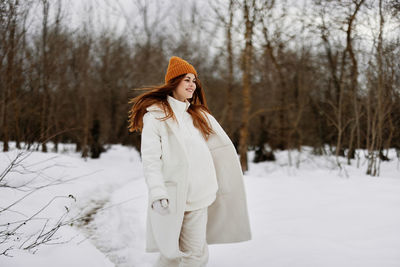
x,y
121,16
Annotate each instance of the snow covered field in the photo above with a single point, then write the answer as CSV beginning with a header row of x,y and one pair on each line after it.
x,y
314,215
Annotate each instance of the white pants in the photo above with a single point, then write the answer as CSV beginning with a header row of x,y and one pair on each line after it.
x,y
192,240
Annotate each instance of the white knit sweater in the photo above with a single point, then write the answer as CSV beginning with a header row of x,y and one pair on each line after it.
x,y
203,183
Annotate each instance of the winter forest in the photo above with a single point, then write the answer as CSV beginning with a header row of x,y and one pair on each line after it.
x,y
308,91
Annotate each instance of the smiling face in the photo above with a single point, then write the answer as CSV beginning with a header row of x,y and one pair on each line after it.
x,y
185,88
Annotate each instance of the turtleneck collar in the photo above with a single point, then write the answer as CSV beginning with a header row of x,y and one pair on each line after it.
x,y
178,106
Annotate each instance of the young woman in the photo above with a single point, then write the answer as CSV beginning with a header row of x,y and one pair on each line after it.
x,y
196,193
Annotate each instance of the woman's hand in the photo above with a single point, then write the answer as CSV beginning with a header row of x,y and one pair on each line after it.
x,y
161,206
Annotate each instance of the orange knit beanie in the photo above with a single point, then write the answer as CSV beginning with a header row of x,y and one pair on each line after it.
x,y
178,66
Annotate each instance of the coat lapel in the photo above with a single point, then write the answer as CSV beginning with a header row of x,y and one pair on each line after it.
x,y
171,123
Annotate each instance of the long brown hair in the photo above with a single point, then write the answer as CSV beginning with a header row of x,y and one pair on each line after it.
x,y
158,95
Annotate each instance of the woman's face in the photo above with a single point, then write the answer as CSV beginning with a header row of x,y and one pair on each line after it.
x,y
185,88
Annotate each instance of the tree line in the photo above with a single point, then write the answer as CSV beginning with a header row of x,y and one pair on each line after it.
x,y
323,74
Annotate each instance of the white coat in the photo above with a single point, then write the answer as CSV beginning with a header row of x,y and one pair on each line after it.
x,y
165,167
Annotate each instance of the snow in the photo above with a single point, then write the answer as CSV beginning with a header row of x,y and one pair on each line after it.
x,y
314,215
63,255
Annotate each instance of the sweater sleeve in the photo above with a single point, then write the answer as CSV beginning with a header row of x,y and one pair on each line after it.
x,y
151,153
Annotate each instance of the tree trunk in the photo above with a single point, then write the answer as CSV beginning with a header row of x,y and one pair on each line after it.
x,y
246,79
229,111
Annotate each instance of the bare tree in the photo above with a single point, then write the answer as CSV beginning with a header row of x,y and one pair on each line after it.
x,y
283,87
227,21
338,66
249,16
355,128
229,49
381,99
9,51
44,77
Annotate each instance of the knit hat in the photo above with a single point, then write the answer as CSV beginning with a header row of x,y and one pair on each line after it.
x,y
178,66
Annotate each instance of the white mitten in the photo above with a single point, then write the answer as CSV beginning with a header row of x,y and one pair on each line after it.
x,y
161,206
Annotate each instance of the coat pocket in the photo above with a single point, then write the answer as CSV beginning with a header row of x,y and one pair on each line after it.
x,y
172,194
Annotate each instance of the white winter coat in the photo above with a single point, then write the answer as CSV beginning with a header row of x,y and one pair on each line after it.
x,y
165,169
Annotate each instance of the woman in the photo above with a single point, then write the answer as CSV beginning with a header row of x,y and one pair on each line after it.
x,y
196,193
